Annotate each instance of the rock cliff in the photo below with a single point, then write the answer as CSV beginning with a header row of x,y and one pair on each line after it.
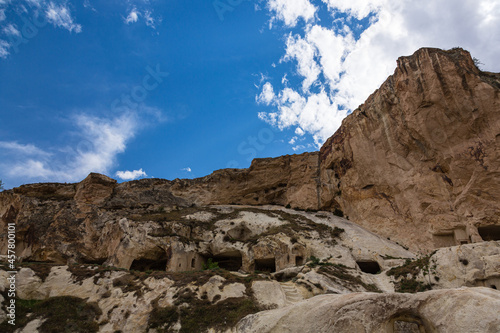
x,y
419,161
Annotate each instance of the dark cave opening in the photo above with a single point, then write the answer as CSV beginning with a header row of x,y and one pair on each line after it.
x,y
231,261
265,265
370,267
489,233
149,265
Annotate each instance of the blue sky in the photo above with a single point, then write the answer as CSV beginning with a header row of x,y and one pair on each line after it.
x,y
177,89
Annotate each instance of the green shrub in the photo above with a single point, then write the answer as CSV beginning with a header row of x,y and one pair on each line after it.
x,y
163,318
210,265
62,314
338,212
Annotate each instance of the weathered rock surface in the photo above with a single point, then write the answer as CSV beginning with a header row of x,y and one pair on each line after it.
x,y
460,310
419,161
471,265
267,238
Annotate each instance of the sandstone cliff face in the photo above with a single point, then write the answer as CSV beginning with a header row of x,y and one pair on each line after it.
x,y
285,180
419,161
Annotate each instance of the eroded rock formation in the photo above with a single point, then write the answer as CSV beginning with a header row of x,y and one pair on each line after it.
x,y
433,311
419,161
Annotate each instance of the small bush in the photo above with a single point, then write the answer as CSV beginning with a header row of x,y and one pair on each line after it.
x,y
338,212
202,315
163,318
411,286
210,265
62,314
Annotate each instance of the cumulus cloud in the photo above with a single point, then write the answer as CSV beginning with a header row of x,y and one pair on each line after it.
x,y
267,95
131,175
290,11
100,140
304,53
338,69
132,16
60,16
188,169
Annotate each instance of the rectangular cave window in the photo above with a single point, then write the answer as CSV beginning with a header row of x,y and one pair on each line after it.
x,y
265,265
192,263
489,233
370,267
299,261
444,240
149,265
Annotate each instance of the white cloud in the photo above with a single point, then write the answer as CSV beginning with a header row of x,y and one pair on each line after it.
x,y
304,53
35,3
100,141
23,149
131,175
356,8
87,4
2,15
267,95
135,14
315,114
150,21
60,16
132,17
11,29
346,70
4,49
290,11
299,131
188,169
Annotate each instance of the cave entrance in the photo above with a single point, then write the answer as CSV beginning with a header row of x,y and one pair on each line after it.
x,y
370,267
299,261
489,233
149,265
265,265
231,261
